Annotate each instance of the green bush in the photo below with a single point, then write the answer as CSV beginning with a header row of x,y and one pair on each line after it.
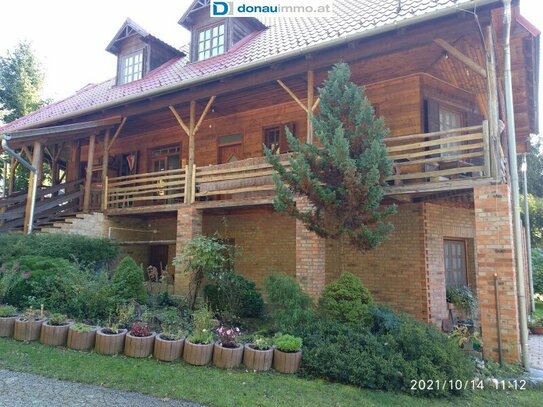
x,y
7,311
290,307
464,299
128,282
83,249
537,265
288,343
386,361
234,296
346,300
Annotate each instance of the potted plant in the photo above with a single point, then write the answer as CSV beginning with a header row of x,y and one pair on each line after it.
x,y
227,352
536,326
258,355
8,315
469,340
463,299
54,331
28,325
110,340
287,354
170,343
198,349
81,336
139,341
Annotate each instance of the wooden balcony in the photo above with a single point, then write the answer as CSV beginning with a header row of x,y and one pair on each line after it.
x,y
423,163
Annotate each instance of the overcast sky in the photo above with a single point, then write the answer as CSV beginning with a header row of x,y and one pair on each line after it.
x,y
70,36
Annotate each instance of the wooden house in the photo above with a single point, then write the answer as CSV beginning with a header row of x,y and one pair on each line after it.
x,y
172,146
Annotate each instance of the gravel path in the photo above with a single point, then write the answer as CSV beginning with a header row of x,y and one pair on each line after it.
x,y
24,390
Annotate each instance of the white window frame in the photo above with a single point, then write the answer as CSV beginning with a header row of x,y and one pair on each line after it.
x,y
211,41
131,67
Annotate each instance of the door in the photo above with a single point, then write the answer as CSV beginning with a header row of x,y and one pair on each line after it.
x,y
230,153
456,274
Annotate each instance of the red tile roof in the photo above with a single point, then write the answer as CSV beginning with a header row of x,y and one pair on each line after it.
x,y
284,36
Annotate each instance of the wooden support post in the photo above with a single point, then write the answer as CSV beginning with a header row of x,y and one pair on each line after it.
x,y
88,179
33,178
74,165
187,184
310,102
486,149
40,169
105,165
12,169
493,105
192,121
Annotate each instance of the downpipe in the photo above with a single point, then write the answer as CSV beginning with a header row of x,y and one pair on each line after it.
x,y
512,150
26,164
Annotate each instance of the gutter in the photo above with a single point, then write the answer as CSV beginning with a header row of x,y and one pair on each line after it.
x,y
267,61
513,165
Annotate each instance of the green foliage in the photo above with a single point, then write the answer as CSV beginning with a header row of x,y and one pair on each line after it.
x,y
85,250
203,257
464,299
21,80
535,168
346,300
81,327
128,282
537,268
232,296
173,325
288,343
202,327
535,209
386,361
57,319
344,178
289,305
7,311
261,343
384,320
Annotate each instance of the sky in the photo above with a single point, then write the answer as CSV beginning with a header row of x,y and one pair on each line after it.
x,y
69,37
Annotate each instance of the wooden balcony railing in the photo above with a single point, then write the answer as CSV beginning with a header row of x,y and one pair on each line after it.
x,y
427,161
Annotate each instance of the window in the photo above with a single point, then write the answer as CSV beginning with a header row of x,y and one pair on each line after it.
x,y
211,42
455,263
275,138
166,158
132,67
449,120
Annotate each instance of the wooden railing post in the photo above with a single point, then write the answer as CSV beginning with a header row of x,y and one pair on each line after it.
x,y
104,194
486,150
88,179
186,186
193,184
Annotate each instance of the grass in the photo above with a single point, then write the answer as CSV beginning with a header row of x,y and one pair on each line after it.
x,y
216,387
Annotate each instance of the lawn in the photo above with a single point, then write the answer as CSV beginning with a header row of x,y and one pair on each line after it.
x,y
215,387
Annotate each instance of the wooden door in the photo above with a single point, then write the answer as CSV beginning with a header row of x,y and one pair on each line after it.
x,y
230,153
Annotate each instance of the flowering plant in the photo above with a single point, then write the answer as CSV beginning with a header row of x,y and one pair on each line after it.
x,y
140,330
227,336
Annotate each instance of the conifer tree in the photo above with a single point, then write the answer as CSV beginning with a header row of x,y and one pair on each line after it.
x,y
343,175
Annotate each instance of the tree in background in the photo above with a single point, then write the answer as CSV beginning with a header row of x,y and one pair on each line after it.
x,y
535,168
342,177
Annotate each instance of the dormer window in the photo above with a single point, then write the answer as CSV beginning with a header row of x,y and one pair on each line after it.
x,y
132,67
211,42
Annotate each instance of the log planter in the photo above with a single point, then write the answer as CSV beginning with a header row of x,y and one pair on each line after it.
x,y
7,325
139,346
54,335
227,358
168,350
82,340
197,354
537,330
285,362
257,360
27,330
109,344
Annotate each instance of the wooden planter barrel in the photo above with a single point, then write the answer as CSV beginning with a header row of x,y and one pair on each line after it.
x,y
54,335
257,360
227,358
139,347
537,330
7,324
27,330
168,351
81,340
196,354
286,362
109,344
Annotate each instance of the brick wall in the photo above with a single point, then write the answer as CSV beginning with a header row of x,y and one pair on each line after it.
x,y
189,224
441,222
265,240
495,256
395,271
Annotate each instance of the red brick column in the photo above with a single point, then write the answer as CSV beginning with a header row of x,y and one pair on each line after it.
x,y
310,256
189,224
495,255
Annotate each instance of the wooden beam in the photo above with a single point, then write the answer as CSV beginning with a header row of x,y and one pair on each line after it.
x,y
12,169
470,63
105,165
40,168
27,153
316,104
88,177
190,165
310,101
204,114
117,132
180,120
292,95
33,178
493,107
